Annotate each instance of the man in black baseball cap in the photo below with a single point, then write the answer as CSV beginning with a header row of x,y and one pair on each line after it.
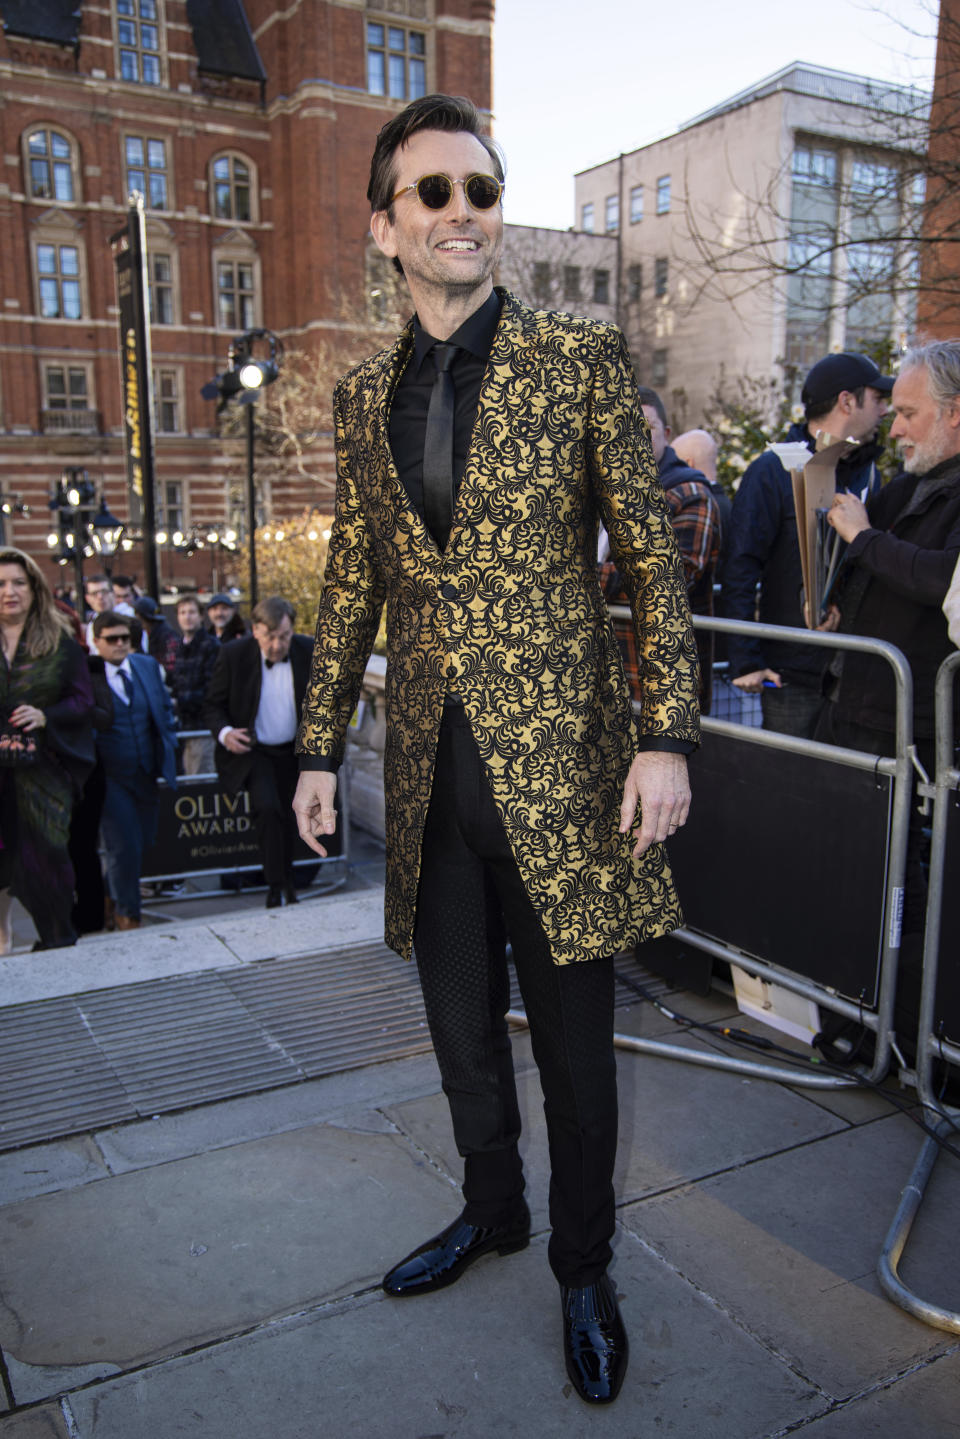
x,y
844,395
834,374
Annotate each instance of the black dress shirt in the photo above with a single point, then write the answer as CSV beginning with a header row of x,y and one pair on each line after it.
x,y
411,399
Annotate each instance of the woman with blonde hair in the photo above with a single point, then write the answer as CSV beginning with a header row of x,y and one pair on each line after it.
x,y
46,746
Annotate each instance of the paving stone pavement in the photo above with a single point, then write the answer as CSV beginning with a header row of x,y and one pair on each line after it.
x,y
214,1273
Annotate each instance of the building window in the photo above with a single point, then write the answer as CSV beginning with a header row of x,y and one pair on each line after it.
x,y
146,165
663,195
661,269
601,287
658,368
540,282
166,400
138,41
815,167
235,295
65,388
173,505
50,166
232,188
636,204
634,284
396,62
58,281
611,213
586,218
160,288
66,400
571,283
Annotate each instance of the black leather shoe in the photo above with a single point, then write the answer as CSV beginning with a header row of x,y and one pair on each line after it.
x,y
594,1340
274,897
290,894
441,1260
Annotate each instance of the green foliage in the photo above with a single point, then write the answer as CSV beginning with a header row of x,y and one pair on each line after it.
x,y
745,414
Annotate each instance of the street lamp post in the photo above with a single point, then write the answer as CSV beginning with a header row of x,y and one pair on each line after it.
x,y
247,376
80,532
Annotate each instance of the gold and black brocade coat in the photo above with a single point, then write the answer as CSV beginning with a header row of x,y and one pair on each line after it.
x,y
511,618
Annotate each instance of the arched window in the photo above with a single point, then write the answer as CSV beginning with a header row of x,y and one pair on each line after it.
x,y
50,161
233,188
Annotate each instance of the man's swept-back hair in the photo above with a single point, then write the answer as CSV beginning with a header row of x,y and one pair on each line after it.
x,y
453,113
272,612
941,360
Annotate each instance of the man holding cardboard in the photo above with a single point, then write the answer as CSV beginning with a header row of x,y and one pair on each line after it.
x,y
845,396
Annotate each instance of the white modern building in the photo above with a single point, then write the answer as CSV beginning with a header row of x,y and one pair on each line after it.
x,y
773,228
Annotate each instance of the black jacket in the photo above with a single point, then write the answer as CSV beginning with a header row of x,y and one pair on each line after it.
x,y
763,550
894,583
233,697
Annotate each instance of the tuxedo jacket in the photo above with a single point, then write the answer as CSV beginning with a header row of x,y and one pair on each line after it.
x,y
233,697
511,618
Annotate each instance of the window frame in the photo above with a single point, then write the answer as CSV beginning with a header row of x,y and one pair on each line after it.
x,y
133,14
237,248
413,60
611,214
166,171
587,210
174,372
233,157
58,230
664,195
601,284
73,163
661,276
90,423
636,204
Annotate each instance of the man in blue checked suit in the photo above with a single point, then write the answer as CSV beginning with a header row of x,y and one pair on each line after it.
x,y
136,741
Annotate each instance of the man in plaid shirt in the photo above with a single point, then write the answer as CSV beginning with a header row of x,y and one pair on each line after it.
x,y
695,517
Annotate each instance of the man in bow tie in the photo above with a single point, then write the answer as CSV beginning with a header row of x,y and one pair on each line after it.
x,y
136,742
475,458
252,707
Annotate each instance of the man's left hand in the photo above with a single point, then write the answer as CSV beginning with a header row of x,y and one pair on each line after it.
x,y
658,783
848,515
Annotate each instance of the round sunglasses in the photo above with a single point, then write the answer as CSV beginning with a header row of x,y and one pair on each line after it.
x,y
436,191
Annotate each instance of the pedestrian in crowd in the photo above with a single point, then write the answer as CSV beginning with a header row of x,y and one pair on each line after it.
x,y
698,449
196,656
951,607
98,595
162,639
252,704
475,456
222,619
125,594
844,396
46,747
137,743
903,545
695,517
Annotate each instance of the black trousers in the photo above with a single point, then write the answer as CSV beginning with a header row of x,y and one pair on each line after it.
x,y
471,901
272,781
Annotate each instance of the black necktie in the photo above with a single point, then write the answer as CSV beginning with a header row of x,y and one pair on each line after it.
x,y
438,449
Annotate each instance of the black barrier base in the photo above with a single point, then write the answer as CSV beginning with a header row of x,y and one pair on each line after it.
x,y
784,858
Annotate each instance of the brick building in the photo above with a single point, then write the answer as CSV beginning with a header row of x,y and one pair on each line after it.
x,y
248,128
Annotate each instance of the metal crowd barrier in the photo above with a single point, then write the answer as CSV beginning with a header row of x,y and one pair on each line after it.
x,y
203,831
891,777
938,1036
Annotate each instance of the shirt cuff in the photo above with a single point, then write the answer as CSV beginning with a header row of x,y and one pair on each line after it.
x,y
225,731
322,762
666,745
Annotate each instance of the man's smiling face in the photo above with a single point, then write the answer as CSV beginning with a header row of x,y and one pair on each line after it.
x,y
456,249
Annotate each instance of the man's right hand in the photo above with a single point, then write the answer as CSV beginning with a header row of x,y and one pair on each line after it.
x,y
313,805
754,682
238,741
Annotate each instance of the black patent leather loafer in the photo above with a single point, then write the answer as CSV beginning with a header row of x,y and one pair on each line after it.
x,y
594,1340
441,1260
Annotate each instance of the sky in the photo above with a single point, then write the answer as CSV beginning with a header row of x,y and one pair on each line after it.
x,y
578,81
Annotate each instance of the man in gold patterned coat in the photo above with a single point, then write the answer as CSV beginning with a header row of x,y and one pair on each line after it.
x,y
524,801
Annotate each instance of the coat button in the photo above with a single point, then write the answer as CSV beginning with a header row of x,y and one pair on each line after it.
x,y
449,592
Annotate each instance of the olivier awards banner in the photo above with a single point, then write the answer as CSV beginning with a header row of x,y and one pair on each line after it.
x,y
201,827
